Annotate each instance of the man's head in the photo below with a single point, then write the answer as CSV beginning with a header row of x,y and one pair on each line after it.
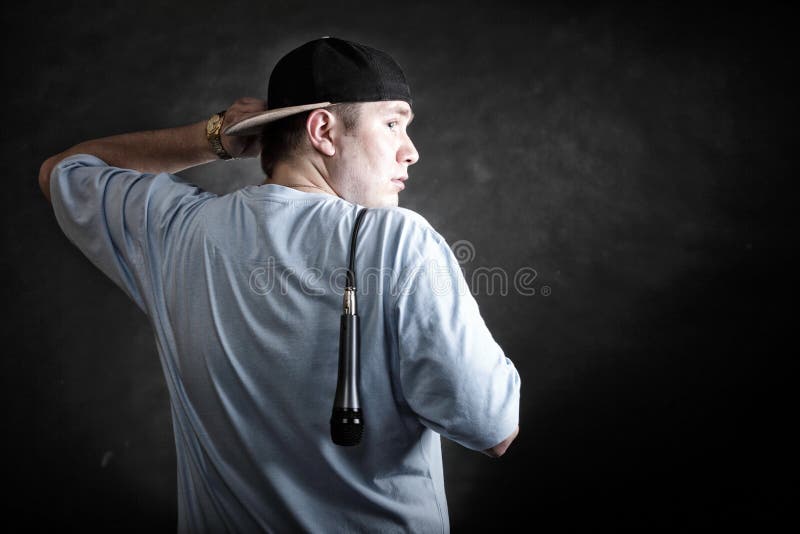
x,y
362,150
341,109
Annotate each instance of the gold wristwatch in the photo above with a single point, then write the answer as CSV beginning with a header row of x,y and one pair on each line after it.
x,y
213,127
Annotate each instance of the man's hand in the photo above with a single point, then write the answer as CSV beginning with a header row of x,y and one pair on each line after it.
x,y
242,146
499,450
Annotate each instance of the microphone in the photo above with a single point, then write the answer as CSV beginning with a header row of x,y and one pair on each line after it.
x,y
347,420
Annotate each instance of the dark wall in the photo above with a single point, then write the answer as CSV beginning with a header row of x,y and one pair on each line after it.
x,y
636,160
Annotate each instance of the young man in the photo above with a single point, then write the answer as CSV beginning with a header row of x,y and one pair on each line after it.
x,y
244,295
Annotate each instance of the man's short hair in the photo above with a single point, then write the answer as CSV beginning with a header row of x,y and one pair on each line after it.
x,y
280,139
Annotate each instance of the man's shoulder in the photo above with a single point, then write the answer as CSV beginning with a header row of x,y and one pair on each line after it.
x,y
407,236
403,219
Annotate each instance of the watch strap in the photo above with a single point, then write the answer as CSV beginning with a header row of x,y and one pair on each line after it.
x,y
214,138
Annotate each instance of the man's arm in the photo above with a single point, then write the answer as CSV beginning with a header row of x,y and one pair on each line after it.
x,y
498,450
452,373
168,150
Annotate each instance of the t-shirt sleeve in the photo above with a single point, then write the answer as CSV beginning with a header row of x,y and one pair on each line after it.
x,y
120,218
453,374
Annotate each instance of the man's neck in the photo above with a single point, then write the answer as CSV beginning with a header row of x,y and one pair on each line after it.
x,y
302,175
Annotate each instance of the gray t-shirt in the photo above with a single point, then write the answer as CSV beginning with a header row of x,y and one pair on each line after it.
x,y
244,295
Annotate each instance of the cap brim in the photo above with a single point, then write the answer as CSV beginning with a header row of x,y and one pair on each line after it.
x,y
252,123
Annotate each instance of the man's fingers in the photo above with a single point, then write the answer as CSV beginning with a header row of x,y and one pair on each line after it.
x,y
242,146
249,104
243,107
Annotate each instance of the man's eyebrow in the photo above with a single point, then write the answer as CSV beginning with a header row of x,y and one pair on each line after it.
x,y
403,111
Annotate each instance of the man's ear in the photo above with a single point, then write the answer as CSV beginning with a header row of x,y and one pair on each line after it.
x,y
321,126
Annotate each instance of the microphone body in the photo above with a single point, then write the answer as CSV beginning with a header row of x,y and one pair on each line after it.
x,y
347,421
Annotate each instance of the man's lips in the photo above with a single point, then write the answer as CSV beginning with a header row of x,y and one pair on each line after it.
x,y
399,182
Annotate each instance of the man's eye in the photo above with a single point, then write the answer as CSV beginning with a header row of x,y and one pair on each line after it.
x,y
392,124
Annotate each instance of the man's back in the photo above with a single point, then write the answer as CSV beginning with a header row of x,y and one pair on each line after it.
x,y
244,294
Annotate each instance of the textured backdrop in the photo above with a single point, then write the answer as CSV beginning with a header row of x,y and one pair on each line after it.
x,y
622,170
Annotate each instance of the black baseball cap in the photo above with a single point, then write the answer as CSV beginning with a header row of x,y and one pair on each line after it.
x,y
322,72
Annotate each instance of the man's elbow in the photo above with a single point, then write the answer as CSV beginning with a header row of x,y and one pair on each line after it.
x,y
500,449
44,175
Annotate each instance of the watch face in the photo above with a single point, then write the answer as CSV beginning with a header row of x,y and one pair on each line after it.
x,y
213,124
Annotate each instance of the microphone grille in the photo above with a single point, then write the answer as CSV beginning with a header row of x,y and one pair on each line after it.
x,y
347,426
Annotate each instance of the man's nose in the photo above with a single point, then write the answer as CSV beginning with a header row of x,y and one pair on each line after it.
x,y
408,153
